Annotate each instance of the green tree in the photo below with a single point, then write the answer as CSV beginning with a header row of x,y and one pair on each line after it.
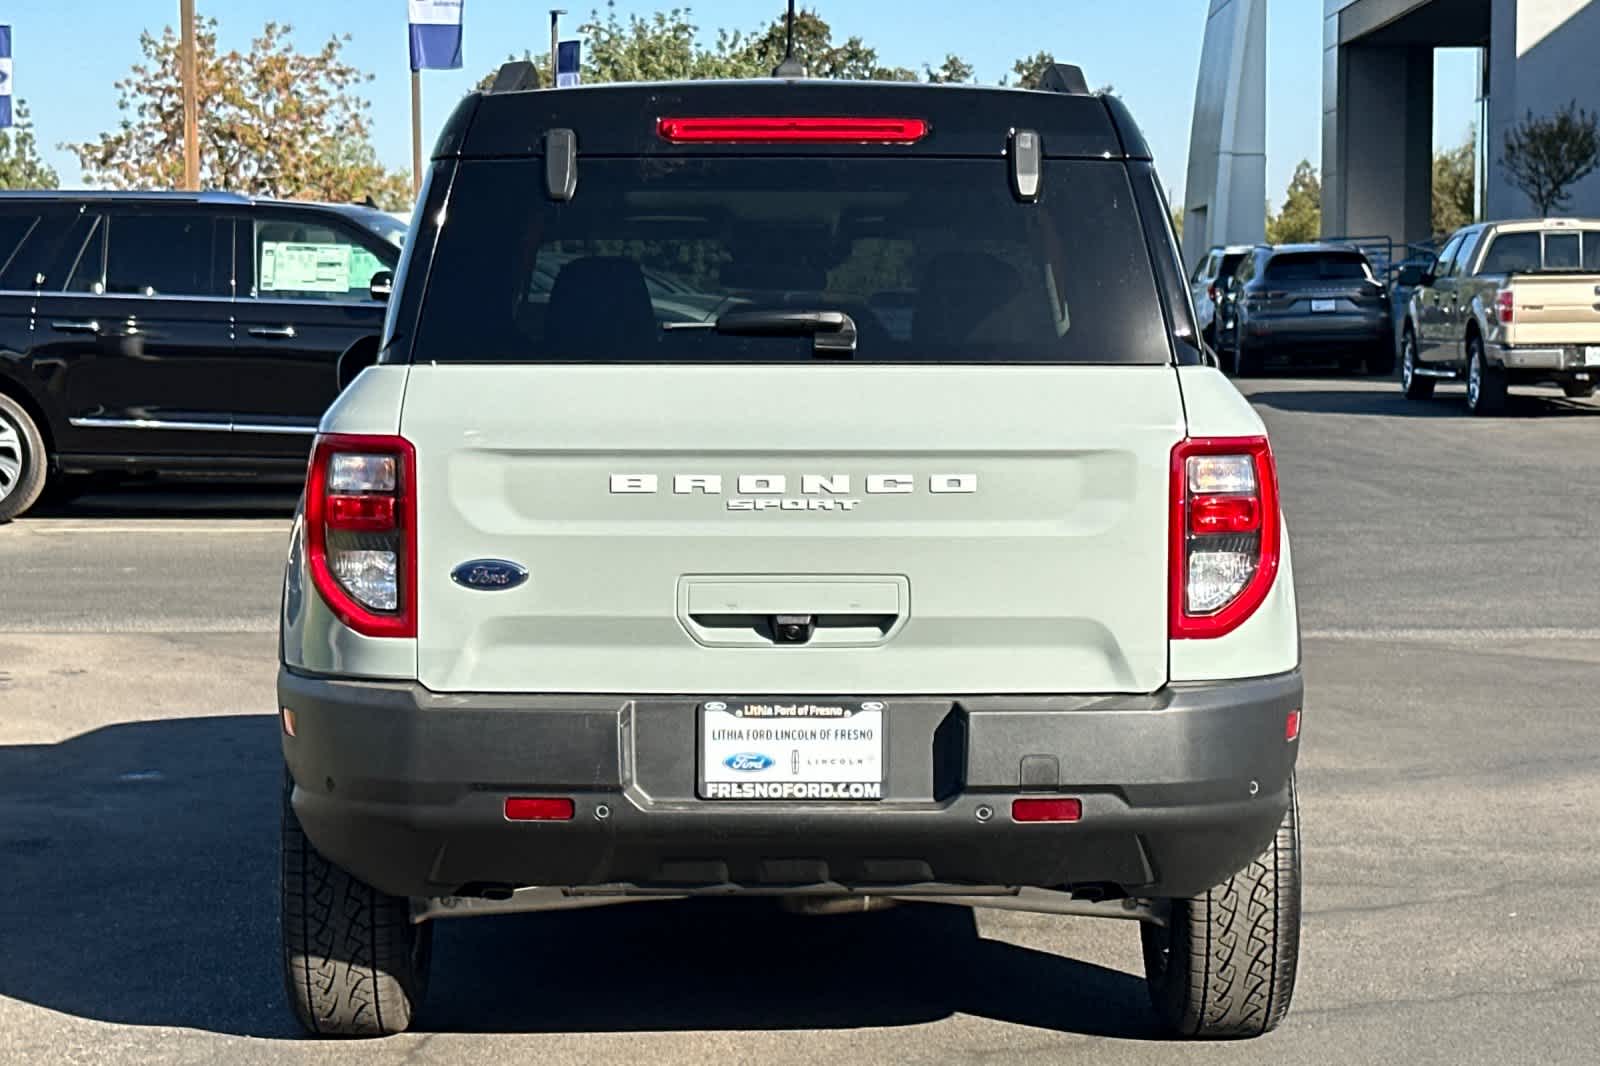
x,y
20,165
1301,217
1177,222
1029,70
665,46
1544,157
1455,200
274,121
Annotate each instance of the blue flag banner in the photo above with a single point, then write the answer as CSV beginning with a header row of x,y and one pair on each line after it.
x,y
569,57
5,76
436,34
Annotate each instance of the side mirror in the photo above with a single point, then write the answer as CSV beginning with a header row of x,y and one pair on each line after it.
x,y
382,286
1409,275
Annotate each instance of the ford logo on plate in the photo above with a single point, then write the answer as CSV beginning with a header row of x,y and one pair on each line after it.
x,y
489,575
748,762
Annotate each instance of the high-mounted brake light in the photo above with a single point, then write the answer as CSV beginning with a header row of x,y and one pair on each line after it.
x,y
361,531
1225,533
1505,306
792,130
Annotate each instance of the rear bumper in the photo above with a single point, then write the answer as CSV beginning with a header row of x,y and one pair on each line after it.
x,y
1543,357
1325,330
405,788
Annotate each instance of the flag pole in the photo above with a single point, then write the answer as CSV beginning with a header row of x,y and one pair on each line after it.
x,y
191,104
416,133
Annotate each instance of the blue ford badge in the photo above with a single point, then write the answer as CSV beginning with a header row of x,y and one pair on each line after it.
x,y
749,762
489,575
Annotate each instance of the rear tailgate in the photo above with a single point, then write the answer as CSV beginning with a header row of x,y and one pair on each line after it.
x,y
952,529
1555,309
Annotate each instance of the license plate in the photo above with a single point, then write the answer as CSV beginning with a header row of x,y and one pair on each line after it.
x,y
791,750
1321,306
1591,356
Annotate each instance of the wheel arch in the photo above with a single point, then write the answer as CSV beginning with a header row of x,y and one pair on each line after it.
x,y
34,405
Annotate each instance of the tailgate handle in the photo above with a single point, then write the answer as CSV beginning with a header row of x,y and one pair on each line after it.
x,y
792,612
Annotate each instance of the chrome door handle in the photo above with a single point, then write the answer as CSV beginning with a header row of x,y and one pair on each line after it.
x,y
90,326
281,332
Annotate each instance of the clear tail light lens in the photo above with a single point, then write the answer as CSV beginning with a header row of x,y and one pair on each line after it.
x,y
361,535
1225,533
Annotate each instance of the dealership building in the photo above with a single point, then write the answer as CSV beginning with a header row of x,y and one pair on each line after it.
x,y
1377,109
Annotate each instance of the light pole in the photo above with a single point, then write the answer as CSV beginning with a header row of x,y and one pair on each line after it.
x,y
191,103
555,43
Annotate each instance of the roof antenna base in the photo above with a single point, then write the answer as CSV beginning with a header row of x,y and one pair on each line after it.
x,y
791,67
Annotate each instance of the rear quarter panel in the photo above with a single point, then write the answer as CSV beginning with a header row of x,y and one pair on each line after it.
x,y
312,640
1269,641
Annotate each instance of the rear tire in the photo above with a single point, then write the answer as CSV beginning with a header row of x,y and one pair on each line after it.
x,y
1578,390
353,962
23,460
1486,385
1247,362
1224,967
1413,384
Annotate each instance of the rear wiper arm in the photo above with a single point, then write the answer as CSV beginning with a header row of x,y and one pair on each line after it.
x,y
832,333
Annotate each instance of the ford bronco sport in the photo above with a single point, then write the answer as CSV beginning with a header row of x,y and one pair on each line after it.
x,y
814,490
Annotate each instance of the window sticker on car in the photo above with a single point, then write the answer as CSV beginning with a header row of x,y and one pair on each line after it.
x,y
305,267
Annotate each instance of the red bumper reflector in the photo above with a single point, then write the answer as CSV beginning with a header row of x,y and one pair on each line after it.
x,y
538,809
790,129
1046,810
361,514
1291,728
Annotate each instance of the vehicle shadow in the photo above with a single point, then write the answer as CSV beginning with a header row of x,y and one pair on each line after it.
x,y
177,499
141,868
1390,403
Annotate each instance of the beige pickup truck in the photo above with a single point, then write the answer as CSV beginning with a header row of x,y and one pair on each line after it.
x,y
1506,303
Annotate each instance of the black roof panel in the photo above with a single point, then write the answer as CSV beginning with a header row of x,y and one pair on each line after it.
x,y
621,119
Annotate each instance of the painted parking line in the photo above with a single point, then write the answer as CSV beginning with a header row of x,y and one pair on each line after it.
x,y
1461,635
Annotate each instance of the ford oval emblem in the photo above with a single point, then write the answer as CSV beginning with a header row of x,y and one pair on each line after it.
x,y
748,762
872,705
489,575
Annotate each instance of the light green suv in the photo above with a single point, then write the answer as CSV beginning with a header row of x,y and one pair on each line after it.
x,y
811,490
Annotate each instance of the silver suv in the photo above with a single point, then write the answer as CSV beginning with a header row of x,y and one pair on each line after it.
x,y
808,490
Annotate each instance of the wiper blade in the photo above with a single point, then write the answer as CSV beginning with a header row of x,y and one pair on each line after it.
x,y
833,333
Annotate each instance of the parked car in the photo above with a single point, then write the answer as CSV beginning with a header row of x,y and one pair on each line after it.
x,y
150,332
1206,285
1506,303
1307,302
987,602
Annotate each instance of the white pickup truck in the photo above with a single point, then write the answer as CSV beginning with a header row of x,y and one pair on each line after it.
x,y
1506,303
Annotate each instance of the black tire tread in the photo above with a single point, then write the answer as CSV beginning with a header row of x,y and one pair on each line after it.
x,y
354,965
1232,953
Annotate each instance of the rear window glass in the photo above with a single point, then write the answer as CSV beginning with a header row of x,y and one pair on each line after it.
x,y
1318,266
1551,250
934,260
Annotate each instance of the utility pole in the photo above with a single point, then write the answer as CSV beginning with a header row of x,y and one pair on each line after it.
x,y
191,102
555,44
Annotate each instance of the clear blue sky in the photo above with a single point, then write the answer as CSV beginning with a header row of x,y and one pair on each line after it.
x,y
69,52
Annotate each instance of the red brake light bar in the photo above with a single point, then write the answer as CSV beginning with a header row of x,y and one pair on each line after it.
x,y
789,129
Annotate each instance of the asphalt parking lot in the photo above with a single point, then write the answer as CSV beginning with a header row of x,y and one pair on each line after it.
x,y
1450,784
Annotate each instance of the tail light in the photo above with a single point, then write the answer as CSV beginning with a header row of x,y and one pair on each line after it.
x,y
1505,310
1211,293
361,531
1225,533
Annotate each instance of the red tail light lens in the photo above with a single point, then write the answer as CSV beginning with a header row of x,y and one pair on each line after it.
x,y
1211,293
1505,307
792,130
1225,533
361,533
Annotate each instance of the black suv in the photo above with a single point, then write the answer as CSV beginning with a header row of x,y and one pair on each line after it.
x,y
150,332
